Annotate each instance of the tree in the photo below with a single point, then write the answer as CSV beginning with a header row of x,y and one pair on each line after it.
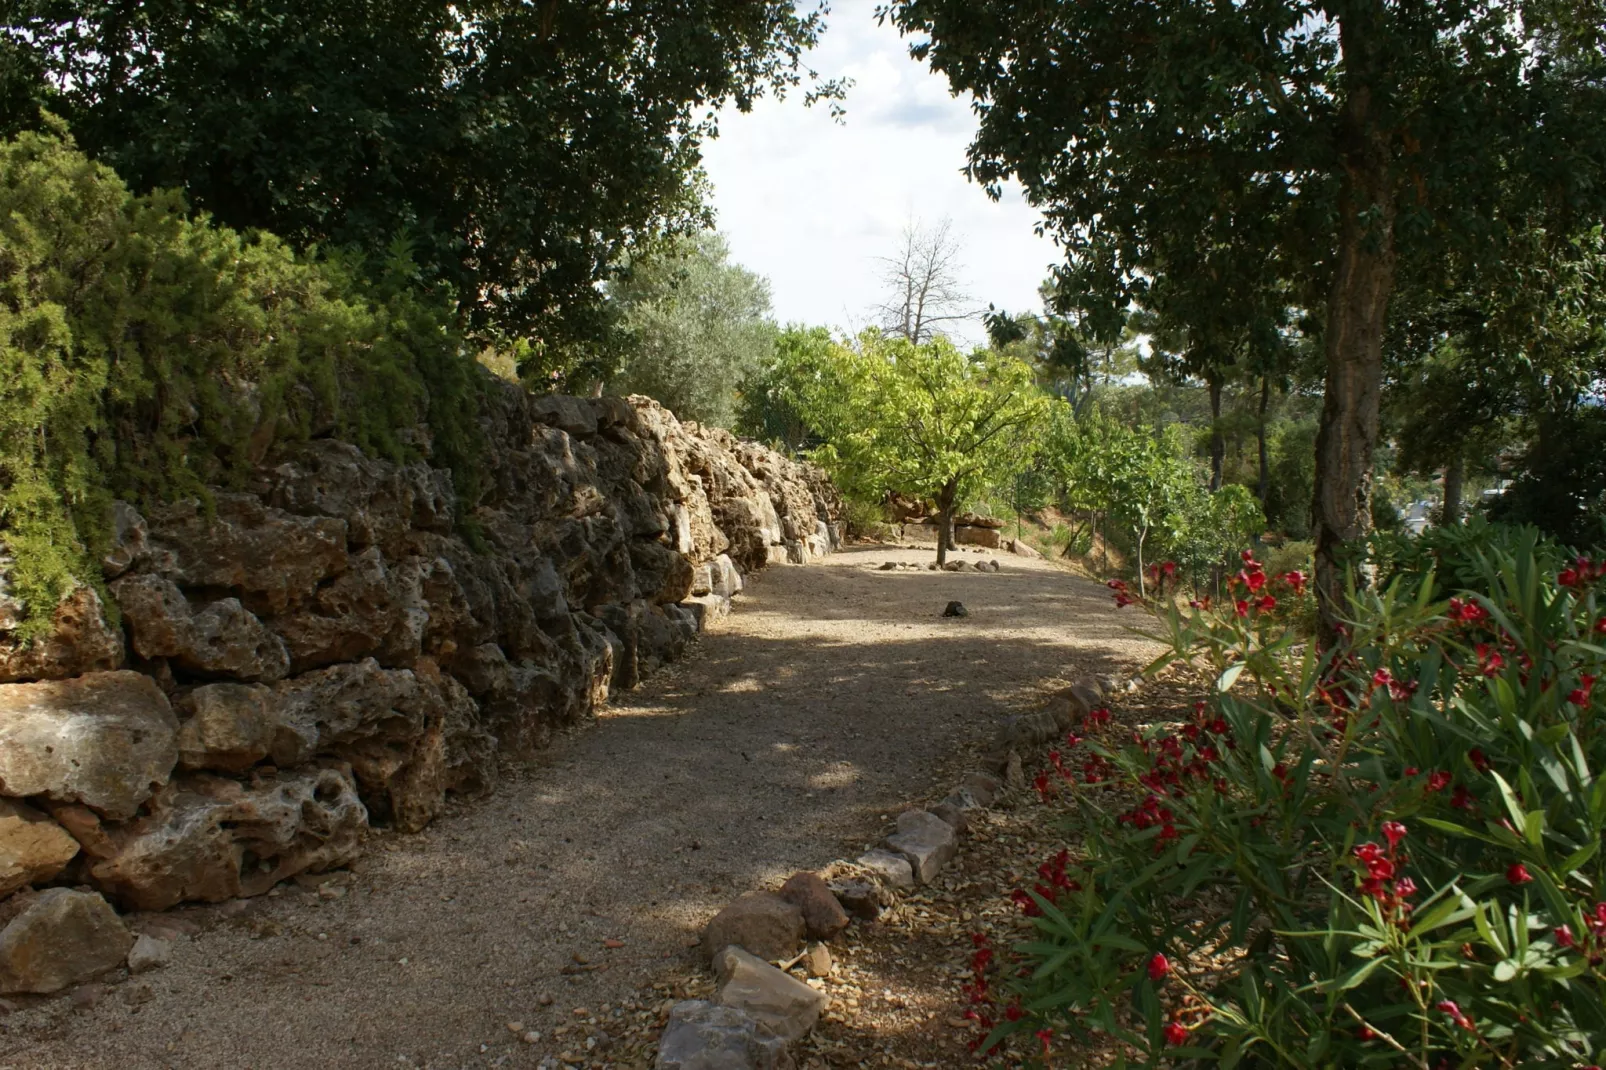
x,y
923,420
1357,131
922,284
694,326
774,406
520,148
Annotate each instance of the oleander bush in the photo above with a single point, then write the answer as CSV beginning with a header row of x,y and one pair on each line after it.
x,y
1385,854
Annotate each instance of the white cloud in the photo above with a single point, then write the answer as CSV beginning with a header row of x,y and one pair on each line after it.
x,y
811,203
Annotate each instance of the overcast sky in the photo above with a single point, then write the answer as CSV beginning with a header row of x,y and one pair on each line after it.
x,y
810,203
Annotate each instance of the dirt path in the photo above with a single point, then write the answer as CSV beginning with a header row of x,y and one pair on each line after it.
x,y
831,697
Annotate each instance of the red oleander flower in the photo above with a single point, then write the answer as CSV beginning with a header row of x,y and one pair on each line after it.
x,y
1600,626
1013,1012
1295,579
1169,568
1438,781
1043,1037
1382,678
1394,832
1266,603
1241,607
1564,936
1159,967
1462,799
1490,660
1176,1034
1580,695
1517,873
1478,760
1365,1032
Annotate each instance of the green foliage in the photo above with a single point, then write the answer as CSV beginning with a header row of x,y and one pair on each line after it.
x,y
1389,855
695,327
794,383
521,147
923,420
146,354
1149,486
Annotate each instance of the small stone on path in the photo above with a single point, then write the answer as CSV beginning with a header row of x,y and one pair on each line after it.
x,y
955,609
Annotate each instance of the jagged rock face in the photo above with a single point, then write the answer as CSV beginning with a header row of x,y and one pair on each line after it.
x,y
343,640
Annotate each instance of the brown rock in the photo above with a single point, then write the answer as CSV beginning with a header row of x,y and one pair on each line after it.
x,y
212,839
760,922
972,535
33,848
220,638
105,739
60,938
79,641
229,727
823,916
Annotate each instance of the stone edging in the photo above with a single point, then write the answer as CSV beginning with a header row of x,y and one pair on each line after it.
x,y
759,1008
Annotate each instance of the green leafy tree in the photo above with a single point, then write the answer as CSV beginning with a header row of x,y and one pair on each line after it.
x,y
793,383
521,147
1346,134
923,420
694,326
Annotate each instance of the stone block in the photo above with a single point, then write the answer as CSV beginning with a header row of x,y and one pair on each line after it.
x,y
892,870
926,840
786,1006
704,1036
61,937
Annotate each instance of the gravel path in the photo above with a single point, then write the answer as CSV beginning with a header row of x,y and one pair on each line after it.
x,y
802,722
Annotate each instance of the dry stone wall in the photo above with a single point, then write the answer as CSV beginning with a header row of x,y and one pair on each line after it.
x,y
328,648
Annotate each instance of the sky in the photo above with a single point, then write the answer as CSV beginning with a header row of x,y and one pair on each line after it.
x,y
811,203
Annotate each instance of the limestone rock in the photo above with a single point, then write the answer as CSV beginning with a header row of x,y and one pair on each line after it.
x,y
130,541
229,727
951,815
761,922
817,960
79,641
975,535
221,638
1020,548
787,1006
33,848
148,953
210,839
104,739
926,840
703,1036
61,937
823,916
892,870
569,414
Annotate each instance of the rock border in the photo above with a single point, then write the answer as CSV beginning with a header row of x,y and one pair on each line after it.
x,y
759,1008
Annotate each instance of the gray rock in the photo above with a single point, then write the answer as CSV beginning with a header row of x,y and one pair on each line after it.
x,y
703,1036
955,609
862,899
148,953
106,739
963,799
892,870
761,922
61,937
33,848
786,1006
983,787
926,840
568,414
951,815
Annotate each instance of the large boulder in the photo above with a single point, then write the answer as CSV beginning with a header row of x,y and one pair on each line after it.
x,y
33,848
106,739
59,938
207,838
760,922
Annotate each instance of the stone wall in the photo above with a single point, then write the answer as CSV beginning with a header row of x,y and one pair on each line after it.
x,y
326,649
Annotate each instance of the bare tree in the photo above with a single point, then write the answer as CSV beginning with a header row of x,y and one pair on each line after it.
x,y
923,291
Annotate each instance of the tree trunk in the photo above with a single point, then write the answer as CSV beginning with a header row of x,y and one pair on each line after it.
x,y
945,522
1454,476
1263,490
1357,306
1218,441
1143,587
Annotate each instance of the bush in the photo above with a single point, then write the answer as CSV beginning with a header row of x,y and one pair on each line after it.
x,y
147,354
1388,855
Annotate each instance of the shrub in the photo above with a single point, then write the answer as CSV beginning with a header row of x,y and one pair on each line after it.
x,y
145,353
1385,855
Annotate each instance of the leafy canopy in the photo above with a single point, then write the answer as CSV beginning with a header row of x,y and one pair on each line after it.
x,y
520,147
